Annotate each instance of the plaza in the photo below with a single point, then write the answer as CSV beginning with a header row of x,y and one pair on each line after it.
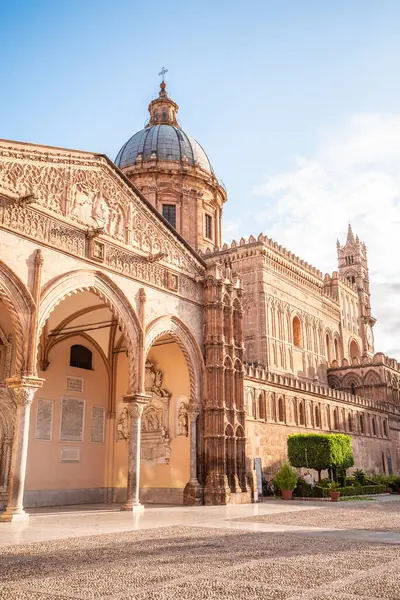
x,y
271,550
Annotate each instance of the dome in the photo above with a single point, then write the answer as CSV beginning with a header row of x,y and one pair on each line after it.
x,y
164,142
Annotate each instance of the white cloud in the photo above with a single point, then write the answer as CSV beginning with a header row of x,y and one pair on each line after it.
x,y
354,176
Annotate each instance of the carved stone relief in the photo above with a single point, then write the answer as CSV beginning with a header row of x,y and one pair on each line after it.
x,y
85,190
155,444
155,440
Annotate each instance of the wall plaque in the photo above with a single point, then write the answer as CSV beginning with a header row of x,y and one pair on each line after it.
x,y
44,420
75,384
72,419
70,454
97,425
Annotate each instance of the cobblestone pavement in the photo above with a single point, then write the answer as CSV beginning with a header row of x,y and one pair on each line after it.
x,y
175,562
379,516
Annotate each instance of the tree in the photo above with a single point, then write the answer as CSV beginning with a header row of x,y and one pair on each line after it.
x,y
331,451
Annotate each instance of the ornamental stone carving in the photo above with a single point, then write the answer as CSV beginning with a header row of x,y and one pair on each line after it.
x,y
155,440
183,429
87,190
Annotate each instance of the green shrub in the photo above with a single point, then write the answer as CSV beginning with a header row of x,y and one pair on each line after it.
x,y
325,482
390,481
321,451
286,477
360,477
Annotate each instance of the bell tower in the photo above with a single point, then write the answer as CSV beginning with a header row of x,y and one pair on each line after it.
x,y
353,266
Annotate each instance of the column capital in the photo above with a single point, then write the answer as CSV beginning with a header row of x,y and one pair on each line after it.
x,y
24,388
193,413
136,403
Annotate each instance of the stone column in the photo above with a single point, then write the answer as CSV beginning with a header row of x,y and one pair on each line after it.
x,y
193,491
24,390
136,404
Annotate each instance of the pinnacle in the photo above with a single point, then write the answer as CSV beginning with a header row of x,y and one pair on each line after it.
x,y
350,236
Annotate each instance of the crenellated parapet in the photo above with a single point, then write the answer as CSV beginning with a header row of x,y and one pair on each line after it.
x,y
273,250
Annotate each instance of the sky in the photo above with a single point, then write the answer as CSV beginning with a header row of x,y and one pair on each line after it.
x,y
296,102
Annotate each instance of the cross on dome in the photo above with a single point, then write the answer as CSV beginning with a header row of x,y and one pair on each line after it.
x,y
162,73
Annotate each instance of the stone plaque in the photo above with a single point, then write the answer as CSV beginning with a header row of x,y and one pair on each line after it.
x,y
44,420
72,419
75,384
70,454
97,425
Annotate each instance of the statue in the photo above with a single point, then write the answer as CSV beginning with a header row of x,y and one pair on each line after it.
x,y
123,425
164,434
183,420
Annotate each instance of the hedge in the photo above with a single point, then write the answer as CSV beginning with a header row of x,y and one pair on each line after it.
x,y
320,451
304,490
362,490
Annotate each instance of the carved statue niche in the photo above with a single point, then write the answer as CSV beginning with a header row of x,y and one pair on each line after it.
x,y
183,419
123,427
155,441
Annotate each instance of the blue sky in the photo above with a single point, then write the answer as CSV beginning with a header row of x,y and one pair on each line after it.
x,y
296,103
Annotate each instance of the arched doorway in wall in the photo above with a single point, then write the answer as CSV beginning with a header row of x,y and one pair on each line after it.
x,y
16,309
73,415
165,443
7,407
84,319
174,371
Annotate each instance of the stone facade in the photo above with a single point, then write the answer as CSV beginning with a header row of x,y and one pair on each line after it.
x,y
134,368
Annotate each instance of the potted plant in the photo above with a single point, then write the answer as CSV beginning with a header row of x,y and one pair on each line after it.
x,y
333,491
286,480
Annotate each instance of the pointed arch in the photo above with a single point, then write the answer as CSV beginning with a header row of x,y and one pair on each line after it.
x,y
302,414
20,306
102,286
190,349
261,406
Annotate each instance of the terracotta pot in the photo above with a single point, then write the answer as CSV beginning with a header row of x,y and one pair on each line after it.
x,y
287,494
334,496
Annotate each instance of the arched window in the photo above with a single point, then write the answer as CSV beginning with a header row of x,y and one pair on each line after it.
x,y
349,422
297,337
385,433
317,417
353,389
273,407
80,357
362,428
373,426
294,407
155,116
164,114
354,350
328,349
281,412
261,407
254,407
336,350
301,414
335,419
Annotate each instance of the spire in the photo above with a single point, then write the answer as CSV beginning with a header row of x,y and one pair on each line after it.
x,y
350,236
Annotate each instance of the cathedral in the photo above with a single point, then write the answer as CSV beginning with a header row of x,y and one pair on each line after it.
x,y
144,361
